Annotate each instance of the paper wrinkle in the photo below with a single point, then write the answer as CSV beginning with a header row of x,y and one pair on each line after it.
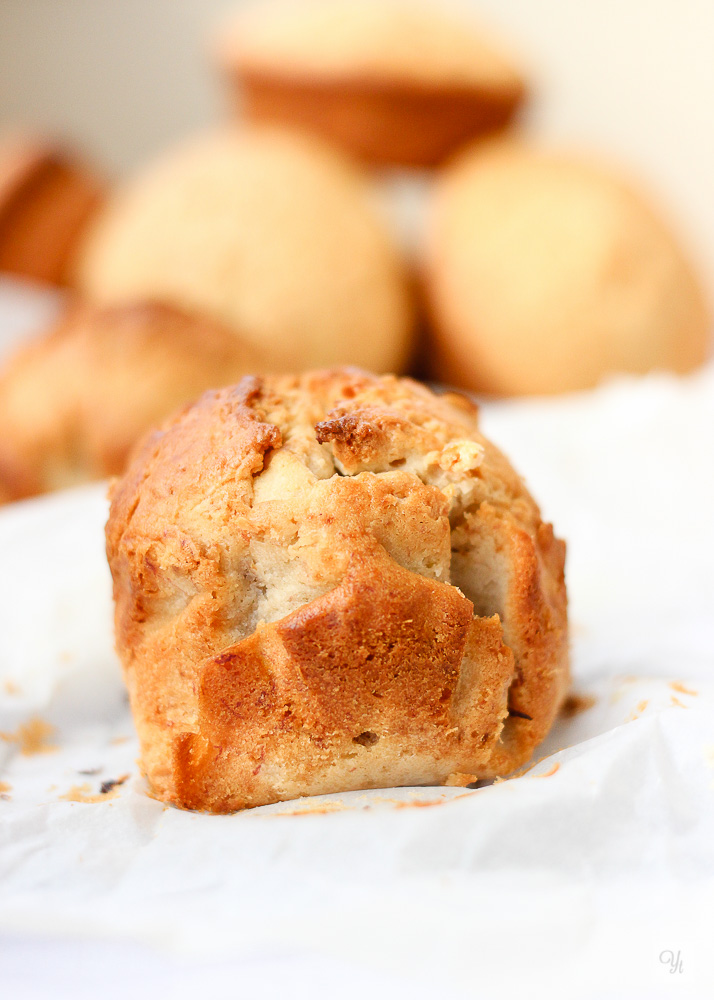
x,y
612,845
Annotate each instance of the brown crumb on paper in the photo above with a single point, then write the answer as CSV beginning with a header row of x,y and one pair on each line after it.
x,y
638,710
112,783
5,789
314,811
459,780
421,804
574,704
11,687
83,792
428,803
676,703
32,737
678,686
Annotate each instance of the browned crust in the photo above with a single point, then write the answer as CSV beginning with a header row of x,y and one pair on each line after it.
x,y
379,121
45,204
383,674
375,661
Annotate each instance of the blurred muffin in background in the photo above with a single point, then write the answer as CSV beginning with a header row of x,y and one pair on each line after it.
x,y
271,233
46,200
545,272
393,81
74,402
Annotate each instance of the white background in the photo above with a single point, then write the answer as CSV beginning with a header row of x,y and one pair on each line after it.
x,y
633,79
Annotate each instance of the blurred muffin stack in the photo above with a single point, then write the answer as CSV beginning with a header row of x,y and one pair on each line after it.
x,y
264,245
268,232
46,201
391,82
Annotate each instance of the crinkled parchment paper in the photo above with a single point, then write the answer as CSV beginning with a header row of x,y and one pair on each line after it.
x,y
582,874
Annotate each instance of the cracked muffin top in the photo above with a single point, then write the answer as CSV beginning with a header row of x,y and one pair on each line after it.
x,y
332,581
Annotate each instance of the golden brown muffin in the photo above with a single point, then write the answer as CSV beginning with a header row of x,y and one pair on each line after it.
x,y
74,402
331,582
272,234
45,203
545,273
391,81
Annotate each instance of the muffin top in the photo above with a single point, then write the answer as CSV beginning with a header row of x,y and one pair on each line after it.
x,y
274,235
546,271
387,40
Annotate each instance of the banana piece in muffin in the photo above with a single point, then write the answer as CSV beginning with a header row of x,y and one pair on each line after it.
x,y
329,582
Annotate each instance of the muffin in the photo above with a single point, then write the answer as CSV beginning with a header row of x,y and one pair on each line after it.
x,y
329,582
273,235
545,272
393,82
75,401
46,200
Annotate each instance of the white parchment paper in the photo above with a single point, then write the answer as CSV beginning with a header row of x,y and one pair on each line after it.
x,y
576,878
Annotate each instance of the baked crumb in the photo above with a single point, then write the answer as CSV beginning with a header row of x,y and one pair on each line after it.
x,y
83,792
32,737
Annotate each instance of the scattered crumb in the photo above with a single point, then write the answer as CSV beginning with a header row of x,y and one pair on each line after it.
x,y
4,789
427,803
11,687
118,740
422,803
83,792
459,780
638,709
574,704
547,774
311,807
678,686
112,783
90,771
32,737
314,811
676,703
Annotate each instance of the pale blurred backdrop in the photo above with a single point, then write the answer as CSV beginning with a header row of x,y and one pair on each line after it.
x,y
633,79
